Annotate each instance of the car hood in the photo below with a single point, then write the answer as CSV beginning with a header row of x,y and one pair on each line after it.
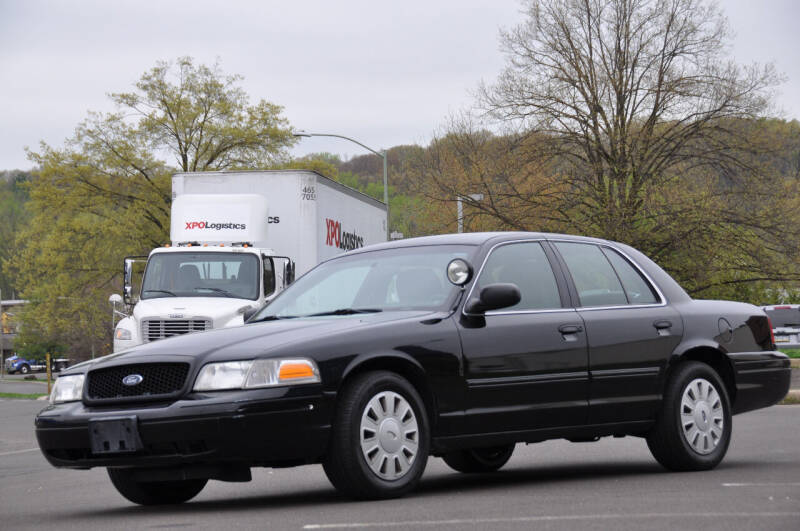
x,y
253,340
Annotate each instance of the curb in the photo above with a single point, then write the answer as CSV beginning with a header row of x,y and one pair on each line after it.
x,y
792,397
795,363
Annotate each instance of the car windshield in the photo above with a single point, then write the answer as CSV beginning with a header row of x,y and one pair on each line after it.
x,y
205,274
411,278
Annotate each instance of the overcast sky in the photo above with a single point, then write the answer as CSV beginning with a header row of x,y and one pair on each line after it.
x,y
385,73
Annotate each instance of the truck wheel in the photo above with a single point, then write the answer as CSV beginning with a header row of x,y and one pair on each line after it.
x,y
693,428
24,369
380,438
476,460
154,492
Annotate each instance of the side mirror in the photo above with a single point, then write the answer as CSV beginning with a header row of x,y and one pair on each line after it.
x,y
114,300
127,281
250,312
288,272
494,297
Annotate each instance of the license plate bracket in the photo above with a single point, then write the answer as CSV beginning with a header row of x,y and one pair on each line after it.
x,y
117,435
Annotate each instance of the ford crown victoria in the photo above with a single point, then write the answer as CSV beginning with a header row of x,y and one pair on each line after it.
x,y
456,346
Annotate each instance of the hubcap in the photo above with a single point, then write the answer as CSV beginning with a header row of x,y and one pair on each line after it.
x,y
389,435
702,417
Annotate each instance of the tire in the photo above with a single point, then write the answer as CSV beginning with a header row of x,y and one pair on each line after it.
x,y
693,428
24,369
380,438
479,460
154,492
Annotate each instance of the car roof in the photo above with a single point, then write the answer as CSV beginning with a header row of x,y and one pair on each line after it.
x,y
474,238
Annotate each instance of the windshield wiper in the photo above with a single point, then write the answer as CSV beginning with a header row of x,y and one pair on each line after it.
x,y
160,291
346,311
273,318
216,290
340,311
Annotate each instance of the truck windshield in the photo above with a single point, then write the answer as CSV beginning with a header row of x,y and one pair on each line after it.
x,y
411,278
205,274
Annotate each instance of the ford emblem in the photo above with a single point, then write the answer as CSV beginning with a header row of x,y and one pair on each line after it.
x,y
132,379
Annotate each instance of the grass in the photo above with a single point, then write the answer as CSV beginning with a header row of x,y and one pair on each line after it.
x,y
792,352
27,396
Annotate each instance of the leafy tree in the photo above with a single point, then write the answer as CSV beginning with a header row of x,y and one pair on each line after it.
x,y
13,217
106,193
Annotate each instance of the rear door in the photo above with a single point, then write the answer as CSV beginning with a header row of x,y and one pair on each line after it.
x,y
630,329
525,366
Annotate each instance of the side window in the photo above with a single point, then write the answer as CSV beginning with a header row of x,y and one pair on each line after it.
x,y
594,278
526,265
269,276
636,287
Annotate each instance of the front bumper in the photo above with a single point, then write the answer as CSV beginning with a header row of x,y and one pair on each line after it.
x,y
263,427
762,379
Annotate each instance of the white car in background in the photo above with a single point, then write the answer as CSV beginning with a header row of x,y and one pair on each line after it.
x,y
785,320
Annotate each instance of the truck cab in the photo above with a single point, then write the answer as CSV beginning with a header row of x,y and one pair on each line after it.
x,y
191,288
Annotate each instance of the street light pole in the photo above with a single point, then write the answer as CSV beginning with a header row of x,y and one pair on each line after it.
x,y
379,153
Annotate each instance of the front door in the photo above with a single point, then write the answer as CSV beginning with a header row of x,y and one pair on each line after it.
x,y
525,366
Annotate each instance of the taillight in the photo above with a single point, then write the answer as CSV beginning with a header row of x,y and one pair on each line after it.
x,y
771,333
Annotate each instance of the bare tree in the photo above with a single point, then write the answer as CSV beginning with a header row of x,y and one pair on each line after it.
x,y
630,91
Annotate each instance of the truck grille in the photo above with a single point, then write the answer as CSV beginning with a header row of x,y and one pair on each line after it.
x,y
157,380
155,329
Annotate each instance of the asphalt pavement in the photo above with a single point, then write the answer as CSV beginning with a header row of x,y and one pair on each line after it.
x,y
611,484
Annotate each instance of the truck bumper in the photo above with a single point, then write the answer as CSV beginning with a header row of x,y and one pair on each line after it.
x,y
267,427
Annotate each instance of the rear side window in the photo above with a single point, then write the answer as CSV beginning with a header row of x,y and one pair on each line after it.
x,y
636,287
525,265
594,278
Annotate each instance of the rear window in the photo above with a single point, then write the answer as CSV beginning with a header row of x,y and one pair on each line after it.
x,y
784,317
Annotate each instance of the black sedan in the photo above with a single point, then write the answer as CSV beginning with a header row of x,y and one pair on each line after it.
x,y
457,346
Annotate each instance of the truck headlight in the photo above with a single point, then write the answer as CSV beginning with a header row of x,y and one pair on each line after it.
x,y
256,373
122,333
67,389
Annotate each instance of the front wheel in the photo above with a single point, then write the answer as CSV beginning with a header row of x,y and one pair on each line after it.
x,y
154,492
24,369
477,460
693,429
379,445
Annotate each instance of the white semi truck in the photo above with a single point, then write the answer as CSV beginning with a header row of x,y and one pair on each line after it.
x,y
239,238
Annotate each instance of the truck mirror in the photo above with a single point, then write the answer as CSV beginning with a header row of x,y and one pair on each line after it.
x,y
288,272
127,278
127,289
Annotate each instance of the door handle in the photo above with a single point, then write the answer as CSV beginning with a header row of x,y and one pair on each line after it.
x,y
662,325
570,329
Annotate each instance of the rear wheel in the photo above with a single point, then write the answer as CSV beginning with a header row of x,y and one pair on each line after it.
x,y
154,492
476,460
379,445
693,429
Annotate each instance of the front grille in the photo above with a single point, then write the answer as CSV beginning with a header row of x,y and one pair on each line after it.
x,y
155,329
158,380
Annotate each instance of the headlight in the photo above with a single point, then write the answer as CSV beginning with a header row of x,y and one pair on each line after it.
x,y
67,389
122,333
255,374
